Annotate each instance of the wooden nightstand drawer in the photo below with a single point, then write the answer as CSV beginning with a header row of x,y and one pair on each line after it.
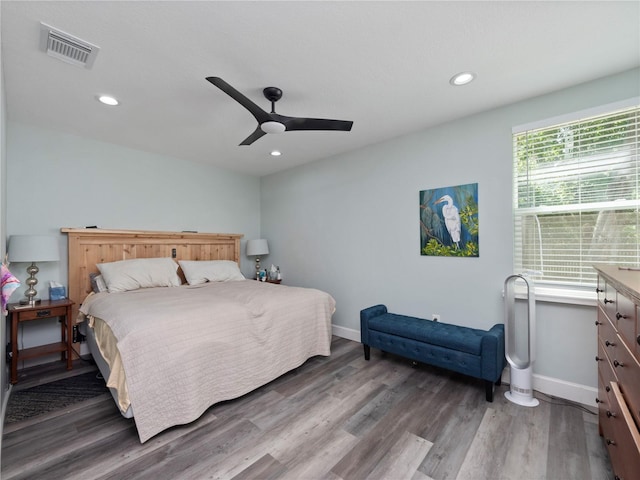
x,y
41,313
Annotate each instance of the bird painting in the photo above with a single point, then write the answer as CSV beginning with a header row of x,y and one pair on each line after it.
x,y
451,218
449,221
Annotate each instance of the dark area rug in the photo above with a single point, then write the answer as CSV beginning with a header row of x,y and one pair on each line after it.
x,y
47,397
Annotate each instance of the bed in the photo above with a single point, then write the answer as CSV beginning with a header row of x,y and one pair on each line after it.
x,y
179,344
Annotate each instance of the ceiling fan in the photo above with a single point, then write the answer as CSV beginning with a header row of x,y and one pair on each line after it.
x,y
273,122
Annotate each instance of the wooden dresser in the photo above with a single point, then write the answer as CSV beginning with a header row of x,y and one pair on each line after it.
x,y
619,367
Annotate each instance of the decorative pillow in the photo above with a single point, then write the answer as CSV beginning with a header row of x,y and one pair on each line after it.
x,y
97,283
140,273
202,271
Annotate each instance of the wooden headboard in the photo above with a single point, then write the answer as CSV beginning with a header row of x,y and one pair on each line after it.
x,y
90,246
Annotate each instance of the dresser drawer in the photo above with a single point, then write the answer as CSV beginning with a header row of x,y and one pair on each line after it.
x,y
636,343
604,402
627,370
605,366
601,289
626,319
42,313
606,333
621,437
609,301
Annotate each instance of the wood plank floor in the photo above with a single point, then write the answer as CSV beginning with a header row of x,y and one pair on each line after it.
x,y
333,418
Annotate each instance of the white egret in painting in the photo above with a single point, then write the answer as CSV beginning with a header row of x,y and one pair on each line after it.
x,y
451,218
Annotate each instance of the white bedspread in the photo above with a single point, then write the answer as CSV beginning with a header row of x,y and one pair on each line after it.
x,y
185,348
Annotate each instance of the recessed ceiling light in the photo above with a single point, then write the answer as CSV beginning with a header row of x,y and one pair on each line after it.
x,y
462,78
276,153
107,100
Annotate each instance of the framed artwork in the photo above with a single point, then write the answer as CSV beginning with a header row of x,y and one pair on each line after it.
x,y
449,221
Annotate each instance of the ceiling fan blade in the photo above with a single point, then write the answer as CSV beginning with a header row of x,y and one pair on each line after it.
x,y
260,115
297,123
257,133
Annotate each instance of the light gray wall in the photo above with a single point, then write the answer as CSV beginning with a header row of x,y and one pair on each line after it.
x,y
4,376
58,180
349,225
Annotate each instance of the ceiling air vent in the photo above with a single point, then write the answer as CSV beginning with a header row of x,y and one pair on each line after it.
x,y
67,48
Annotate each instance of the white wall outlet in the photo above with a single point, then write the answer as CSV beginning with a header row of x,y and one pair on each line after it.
x,y
435,317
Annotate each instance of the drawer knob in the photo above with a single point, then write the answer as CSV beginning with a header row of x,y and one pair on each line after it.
x,y
598,359
638,340
620,315
599,290
598,323
616,363
610,414
606,300
610,442
607,388
598,400
609,344
43,313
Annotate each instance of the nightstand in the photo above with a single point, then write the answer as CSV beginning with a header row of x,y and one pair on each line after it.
x,y
42,310
271,281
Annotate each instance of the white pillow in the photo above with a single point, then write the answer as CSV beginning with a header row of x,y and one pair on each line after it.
x,y
202,271
139,273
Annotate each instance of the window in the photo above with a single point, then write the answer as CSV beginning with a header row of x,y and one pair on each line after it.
x,y
576,197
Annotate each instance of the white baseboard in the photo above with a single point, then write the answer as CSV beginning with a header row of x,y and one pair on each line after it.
x,y
348,333
555,387
575,392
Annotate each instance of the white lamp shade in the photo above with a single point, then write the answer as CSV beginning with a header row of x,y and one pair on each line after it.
x,y
33,248
257,247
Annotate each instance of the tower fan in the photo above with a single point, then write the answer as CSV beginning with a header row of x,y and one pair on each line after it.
x,y
520,345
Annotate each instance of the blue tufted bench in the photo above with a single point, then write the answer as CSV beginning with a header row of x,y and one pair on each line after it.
x,y
473,352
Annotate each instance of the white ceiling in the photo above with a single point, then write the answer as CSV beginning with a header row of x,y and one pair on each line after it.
x,y
384,65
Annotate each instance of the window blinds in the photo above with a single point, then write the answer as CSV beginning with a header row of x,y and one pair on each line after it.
x,y
576,197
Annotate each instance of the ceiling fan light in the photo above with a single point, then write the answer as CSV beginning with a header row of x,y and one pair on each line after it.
x,y
462,78
108,100
272,127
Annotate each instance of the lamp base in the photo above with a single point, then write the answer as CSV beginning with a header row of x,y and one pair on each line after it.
x,y
32,281
257,268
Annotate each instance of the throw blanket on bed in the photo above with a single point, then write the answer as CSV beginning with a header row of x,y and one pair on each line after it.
x,y
186,348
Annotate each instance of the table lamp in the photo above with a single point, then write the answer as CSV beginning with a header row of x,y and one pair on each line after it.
x,y
32,249
257,248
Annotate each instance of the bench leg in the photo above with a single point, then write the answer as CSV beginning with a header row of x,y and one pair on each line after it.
x,y
367,352
488,384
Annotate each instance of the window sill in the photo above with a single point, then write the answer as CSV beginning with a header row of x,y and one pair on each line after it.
x,y
559,295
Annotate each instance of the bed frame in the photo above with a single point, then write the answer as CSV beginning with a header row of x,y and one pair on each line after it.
x,y
90,246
